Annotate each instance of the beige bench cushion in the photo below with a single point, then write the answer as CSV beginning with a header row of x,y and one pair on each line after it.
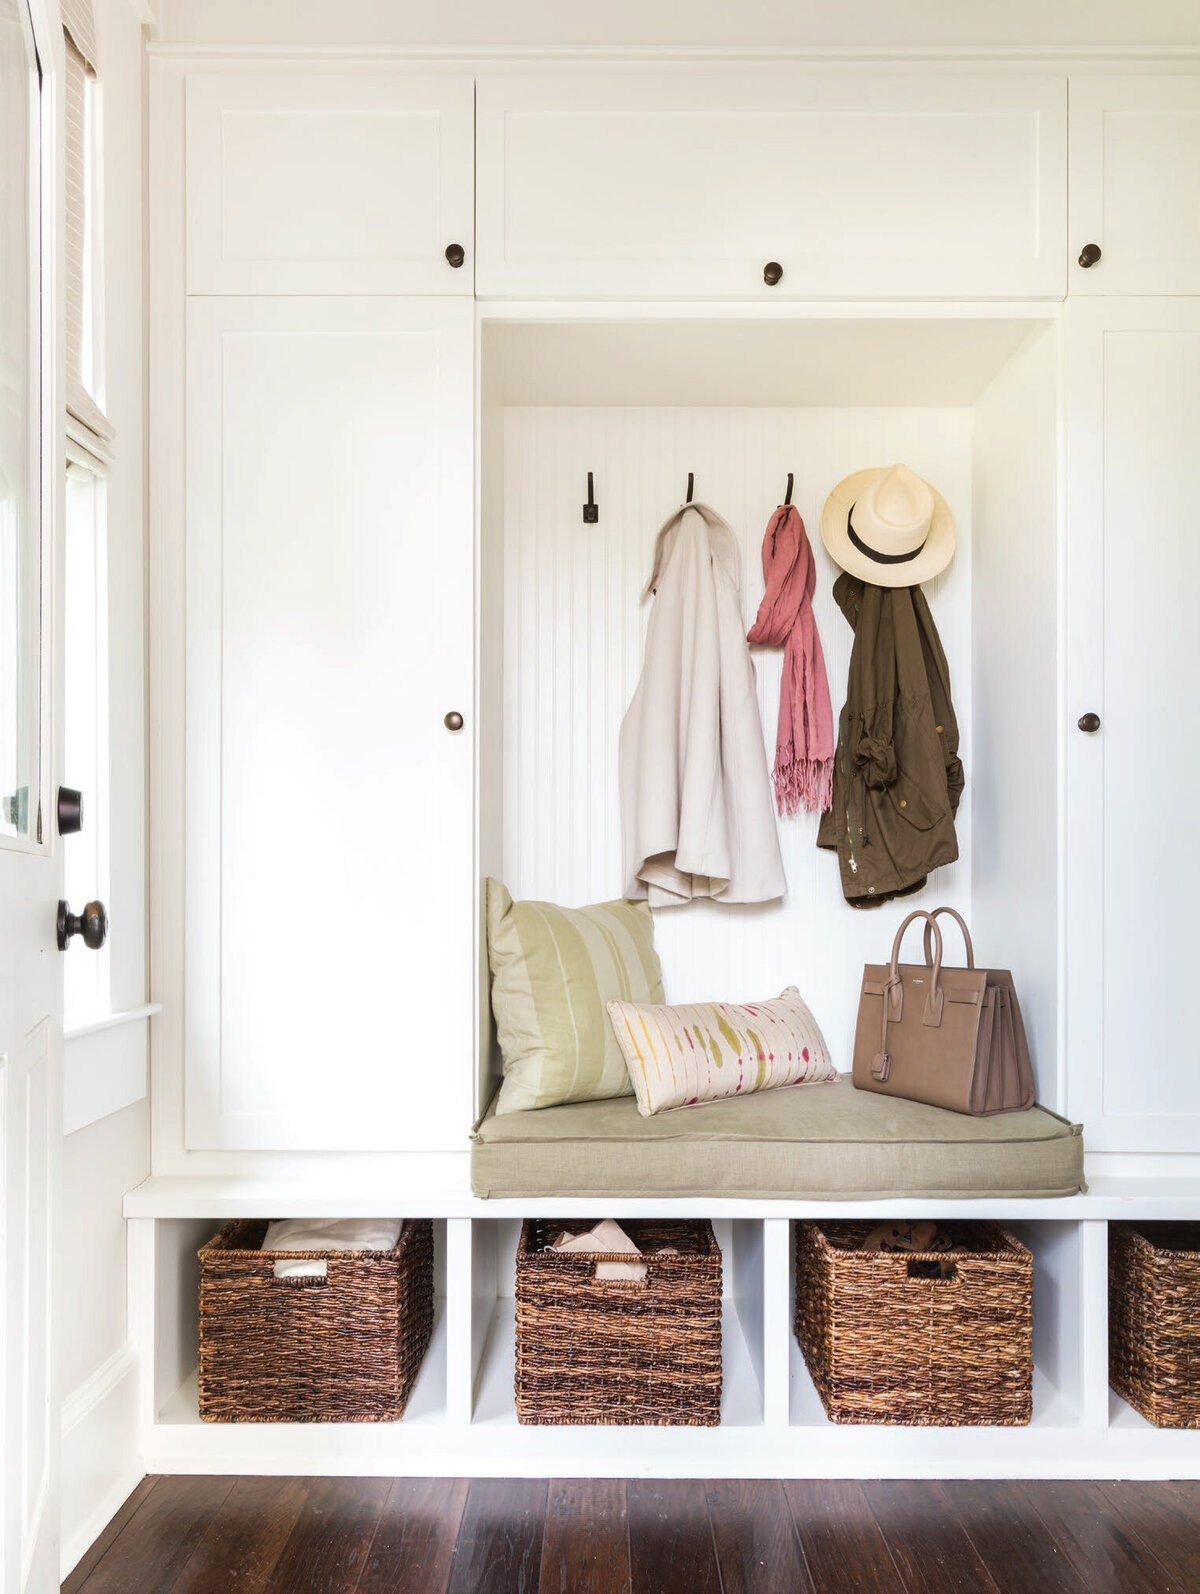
x,y
815,1142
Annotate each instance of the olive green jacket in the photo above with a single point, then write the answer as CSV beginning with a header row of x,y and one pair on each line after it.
x,y
897,777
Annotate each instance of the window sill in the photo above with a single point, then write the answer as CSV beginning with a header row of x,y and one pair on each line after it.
x,y
93,1026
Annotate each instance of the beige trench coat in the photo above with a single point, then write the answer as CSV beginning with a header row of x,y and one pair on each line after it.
x,y
697,815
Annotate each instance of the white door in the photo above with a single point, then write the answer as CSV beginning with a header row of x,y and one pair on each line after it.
x,y
30,966
338,182
329,724
1135,184
1133,566
824,185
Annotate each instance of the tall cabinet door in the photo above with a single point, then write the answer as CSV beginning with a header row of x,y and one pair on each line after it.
x,y
1133,571
329,559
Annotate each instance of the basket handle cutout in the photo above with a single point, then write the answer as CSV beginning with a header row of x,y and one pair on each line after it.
x,y
932,1269
305,1281
618,1284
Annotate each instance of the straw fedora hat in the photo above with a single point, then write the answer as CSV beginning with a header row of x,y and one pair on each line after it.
x,y
888,526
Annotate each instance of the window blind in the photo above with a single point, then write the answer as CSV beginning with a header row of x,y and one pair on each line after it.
x,y
86,421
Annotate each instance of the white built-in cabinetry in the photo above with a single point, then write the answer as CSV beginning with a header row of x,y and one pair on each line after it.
x,y
1135,184
871,184
337,182
366,490
329,624
462,1418
1133,404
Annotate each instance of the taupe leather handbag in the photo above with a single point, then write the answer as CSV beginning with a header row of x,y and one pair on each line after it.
x,y
950,1037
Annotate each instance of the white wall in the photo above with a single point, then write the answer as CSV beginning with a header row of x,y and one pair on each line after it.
x,y
1016,708
102,1161
542,23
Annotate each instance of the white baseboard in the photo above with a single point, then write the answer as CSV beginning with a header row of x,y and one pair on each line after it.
x,y
101,1452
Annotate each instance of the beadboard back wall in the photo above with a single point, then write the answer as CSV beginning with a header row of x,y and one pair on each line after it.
x,y
573,628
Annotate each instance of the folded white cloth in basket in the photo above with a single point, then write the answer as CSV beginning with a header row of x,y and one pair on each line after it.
x,y
327,1234
606,1236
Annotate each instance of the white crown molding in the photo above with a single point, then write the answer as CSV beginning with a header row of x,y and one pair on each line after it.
x,y
708,56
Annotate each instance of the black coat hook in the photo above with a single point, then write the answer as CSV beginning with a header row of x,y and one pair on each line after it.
x,y
787,497
591,510
691,484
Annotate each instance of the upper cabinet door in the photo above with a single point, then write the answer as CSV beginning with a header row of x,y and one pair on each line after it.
x,y
1135,184
340,183
831,186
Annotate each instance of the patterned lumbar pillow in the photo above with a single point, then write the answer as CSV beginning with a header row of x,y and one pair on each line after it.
x,y
677,1056
553,969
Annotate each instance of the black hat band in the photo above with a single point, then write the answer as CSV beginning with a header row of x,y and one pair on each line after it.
x,y
879,558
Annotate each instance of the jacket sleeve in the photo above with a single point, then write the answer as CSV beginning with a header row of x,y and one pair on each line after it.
x,y
945,719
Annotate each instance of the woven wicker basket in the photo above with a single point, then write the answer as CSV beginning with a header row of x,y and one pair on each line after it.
x,y
886,1343
620,1351
1154,1320
343,1348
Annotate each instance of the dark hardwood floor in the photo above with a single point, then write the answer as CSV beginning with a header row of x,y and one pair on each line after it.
x,y
512,1536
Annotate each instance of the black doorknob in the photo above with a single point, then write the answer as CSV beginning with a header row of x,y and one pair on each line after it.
x,y
772,273
1089,722
70,811
453,720
91,924
1089,255
455,254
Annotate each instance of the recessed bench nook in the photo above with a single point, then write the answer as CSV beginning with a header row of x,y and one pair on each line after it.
x,y
489,400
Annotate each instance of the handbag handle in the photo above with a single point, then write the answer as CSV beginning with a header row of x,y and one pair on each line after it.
x,y
893,990
962,924
931,928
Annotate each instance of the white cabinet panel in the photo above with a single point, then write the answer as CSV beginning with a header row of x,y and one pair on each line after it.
x,y
860,185
1135,184
1134,566
347,183
329,810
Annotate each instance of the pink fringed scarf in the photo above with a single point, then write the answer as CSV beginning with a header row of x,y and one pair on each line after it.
x,y
804,746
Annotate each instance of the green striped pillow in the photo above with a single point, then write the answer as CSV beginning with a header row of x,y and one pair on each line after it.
x,y
553,970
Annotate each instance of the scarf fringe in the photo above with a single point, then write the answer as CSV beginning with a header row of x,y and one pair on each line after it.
x,y
804,783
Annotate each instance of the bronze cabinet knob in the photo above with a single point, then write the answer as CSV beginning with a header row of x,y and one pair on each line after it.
x,y
70,811
772,273
1089,722
455,254
453,721
1089,255
91,924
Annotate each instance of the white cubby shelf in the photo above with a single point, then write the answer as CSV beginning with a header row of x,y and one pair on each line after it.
x,y
461,1419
